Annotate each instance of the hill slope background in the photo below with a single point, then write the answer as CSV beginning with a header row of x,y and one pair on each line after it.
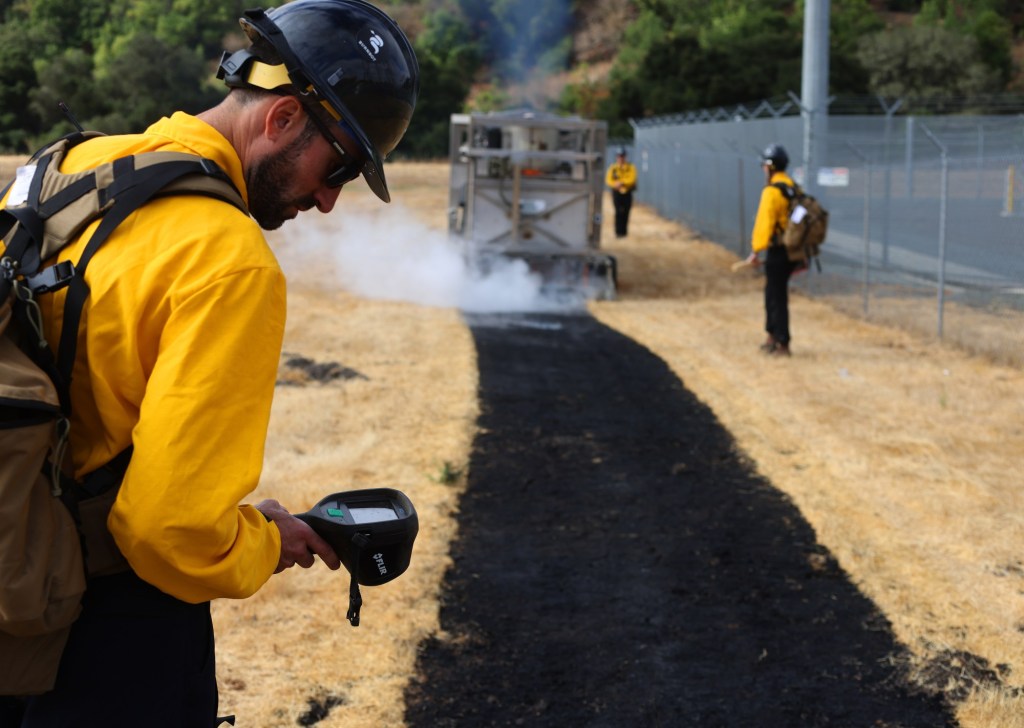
x,y
627,59
119,66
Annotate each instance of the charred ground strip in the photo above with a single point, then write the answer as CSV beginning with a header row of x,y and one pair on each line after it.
x,y
619,564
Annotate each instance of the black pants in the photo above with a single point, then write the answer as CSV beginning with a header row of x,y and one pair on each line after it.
x,y
778,268
135,657
622,202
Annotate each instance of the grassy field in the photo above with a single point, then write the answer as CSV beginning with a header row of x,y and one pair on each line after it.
x,y
901,451
904,453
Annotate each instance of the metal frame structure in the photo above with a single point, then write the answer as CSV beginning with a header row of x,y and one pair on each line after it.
x,y
530,185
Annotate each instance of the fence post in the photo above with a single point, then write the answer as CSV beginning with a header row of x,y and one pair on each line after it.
x,y
866,281
908,161
889,111
943,195
742,205
811,147
718,197
980,158
1008,196
741,199
814,99
716,164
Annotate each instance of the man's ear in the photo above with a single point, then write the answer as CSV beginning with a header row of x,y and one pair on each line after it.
x,y
284,120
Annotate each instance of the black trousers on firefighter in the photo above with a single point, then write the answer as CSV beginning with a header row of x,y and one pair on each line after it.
x,y
135,657
778,269
622,201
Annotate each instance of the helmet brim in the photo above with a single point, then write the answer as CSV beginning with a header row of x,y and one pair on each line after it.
x,y
391,122
373,165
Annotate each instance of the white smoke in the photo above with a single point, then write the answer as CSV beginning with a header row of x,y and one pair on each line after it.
x,y
391,256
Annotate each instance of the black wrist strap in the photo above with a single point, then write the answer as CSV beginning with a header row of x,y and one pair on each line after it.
x,y
355,599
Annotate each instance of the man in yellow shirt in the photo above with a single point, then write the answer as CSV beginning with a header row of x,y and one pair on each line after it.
x,y
621,179
772,219
179,347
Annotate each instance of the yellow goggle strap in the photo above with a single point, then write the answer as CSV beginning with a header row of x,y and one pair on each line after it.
x,y
270,77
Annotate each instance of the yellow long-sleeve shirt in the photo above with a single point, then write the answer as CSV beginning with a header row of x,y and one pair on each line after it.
x,y
772,213
621,175
177,356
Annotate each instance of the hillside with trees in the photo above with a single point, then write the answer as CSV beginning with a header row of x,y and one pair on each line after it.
x,y
120,64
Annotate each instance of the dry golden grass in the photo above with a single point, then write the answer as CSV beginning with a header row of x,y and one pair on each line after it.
x,y
8,165
905,454
407,425
414,411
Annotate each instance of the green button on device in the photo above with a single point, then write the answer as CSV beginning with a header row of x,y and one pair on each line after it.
x,y
336,512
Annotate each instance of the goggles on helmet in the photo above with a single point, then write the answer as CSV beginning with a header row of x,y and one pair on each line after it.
x,y
350,167
242,65
343,57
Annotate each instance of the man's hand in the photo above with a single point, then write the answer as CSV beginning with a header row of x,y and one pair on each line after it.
x,y
751,261
299,542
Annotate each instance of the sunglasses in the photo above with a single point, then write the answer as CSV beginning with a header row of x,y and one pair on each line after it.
x,y
350,167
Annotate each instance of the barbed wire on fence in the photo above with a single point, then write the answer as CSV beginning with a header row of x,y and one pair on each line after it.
x,y
846,105
918,203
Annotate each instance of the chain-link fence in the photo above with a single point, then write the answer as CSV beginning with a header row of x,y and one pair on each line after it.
x,y
926,213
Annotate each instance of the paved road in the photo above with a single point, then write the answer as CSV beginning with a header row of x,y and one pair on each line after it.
x,y
989,254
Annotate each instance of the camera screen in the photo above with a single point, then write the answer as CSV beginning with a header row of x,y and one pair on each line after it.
x,y
372,514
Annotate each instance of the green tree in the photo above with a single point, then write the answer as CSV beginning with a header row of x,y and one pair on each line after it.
x,y
756,53
448,58
119,64
76,22
517,36
986,21
684,56
67,78
583,98
22,44
925,63
144,79
193,24
491,98
850,21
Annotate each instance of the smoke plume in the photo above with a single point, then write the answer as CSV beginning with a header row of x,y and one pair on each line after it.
x,y
390,256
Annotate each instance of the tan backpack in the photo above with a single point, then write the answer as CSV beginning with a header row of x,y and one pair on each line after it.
x,y
807,227
53,530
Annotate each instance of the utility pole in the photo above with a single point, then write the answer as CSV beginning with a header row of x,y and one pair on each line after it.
x,y
814,88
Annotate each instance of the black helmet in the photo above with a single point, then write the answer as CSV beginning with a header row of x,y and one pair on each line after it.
x,y
775,156
345,55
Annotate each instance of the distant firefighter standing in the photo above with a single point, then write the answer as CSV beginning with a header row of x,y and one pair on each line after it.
x,y
769,225
621,179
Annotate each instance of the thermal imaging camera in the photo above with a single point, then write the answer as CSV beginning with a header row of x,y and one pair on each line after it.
x,y
372,532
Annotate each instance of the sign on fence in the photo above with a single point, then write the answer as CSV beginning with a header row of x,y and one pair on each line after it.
x,y
834,176
827,176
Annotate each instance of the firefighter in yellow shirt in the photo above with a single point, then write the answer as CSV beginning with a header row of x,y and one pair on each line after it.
x,y
179,349
772,218
621,180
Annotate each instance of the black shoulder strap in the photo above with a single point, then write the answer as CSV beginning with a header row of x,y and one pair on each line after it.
x,y
132,188
56,210
25,246
788,191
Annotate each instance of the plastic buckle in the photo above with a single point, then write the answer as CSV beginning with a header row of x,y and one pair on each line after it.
x,y
53,278
8,268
